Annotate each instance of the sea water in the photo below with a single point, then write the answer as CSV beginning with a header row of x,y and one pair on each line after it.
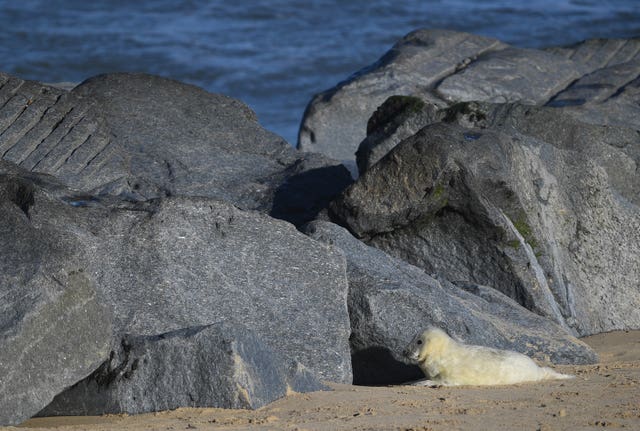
x,y
272,54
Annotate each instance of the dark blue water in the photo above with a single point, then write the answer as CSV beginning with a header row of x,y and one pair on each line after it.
x,y
272,54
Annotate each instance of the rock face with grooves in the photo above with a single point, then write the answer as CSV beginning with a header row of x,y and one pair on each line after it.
x,y
141,136
390,301
600,53
218,365
608,96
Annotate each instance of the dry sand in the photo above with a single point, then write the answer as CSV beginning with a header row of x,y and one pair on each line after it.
x,y
606,395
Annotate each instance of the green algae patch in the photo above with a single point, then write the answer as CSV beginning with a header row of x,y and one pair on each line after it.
x,y
407,104
438,191
394,107
469,109
525,230
515,244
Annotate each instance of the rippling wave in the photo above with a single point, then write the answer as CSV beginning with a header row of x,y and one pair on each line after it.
x,y
272,54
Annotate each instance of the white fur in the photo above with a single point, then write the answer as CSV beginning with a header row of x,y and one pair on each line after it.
x,y
448,362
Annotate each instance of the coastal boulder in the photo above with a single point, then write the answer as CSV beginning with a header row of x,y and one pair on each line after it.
x,y
158,266
608,94
140,137
529,201
54,329
220,365
597,54
180,262
528,76
390,301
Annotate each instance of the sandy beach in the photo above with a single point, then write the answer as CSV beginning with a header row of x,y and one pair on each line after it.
x,y
606,395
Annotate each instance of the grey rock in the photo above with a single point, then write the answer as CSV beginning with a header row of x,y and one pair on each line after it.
x,y
538,205
181,262
171,263
140,137
335,121
598,86
62,85
401,117
54,329
48,130
445,67
511,75
600,53
609,93
398,118
608,96
615,149
390,301
221,365
564,128
194,261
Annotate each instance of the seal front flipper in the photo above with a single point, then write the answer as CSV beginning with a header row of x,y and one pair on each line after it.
x,y
425,382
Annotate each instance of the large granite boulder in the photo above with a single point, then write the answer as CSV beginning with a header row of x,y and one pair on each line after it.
x,y
140,136
399,118
180,262
54,329
158,266
445,67
217,365
390,301
527,200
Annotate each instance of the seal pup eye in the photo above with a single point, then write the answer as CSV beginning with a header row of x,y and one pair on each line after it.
x,y
419,342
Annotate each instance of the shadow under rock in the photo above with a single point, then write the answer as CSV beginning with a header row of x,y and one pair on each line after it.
x,y
303,196
376,366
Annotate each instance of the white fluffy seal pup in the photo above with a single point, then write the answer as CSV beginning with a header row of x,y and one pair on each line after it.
x,y
447,362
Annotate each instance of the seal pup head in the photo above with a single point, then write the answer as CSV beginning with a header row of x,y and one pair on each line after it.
x,y
431,342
